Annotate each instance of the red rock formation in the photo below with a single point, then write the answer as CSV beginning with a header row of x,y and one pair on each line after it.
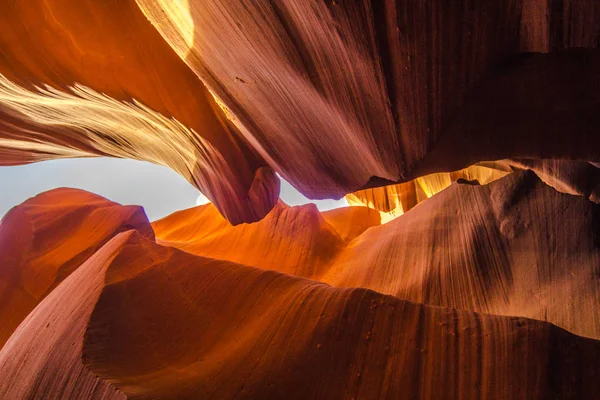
x,y
231,330
294,338
242,332
350,222
513,247
46,238
335,96
42,360
395,200
81,78
573,177
292,240
335,93
488,249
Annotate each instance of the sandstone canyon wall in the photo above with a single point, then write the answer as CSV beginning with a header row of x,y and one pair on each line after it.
x,y
282,308
463,133
334,96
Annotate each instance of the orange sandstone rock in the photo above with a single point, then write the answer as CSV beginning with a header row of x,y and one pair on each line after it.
x,y
334,96
221,330
46,238
513,247
83,78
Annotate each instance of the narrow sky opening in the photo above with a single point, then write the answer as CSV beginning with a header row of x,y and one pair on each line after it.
x,y
290,196
158,189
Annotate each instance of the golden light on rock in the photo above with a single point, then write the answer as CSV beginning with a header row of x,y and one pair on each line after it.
x,y
464,135
394,200
178,23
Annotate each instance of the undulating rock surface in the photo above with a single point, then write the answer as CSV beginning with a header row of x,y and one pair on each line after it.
x,y
224,330
394,200
333,95
513,247
46,238
464,135
574,177
299,305
81,78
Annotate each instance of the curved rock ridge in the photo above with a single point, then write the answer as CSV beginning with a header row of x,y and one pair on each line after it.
x,y
89,78
513,247
46,238
297,240
573,177
350,222
469,291
395,200
239,331
43,358
334,96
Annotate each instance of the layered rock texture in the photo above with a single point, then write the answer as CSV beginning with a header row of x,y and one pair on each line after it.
x,y
333,95
305,304
463,133
513,247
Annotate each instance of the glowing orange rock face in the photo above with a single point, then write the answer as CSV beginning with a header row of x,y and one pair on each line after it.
x,y
476,248
572,177
242,299
284,336
394,200
340,98
293,240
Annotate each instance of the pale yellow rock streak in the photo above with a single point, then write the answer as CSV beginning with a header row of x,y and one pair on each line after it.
x,y
111,127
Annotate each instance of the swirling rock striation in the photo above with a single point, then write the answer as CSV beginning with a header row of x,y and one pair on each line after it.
x,y
472,291
513,247
221,329
89,78
296,339
334,96
338,95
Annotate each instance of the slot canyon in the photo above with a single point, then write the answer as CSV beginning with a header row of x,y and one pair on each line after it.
x,y
464,136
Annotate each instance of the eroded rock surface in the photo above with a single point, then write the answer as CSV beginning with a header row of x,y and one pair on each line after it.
x,y
472,124
334,96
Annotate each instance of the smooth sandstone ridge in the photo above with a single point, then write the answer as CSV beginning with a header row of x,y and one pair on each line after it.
x,y
301,321
513,247
48,237
463,133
